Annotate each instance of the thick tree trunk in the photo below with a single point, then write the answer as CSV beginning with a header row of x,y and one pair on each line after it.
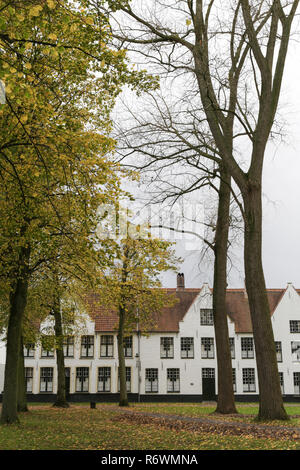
x,y
270,397
22,398
18,299
225,404
122,367
61,400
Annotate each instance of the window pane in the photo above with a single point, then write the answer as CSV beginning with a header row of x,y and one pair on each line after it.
x,y
104,379
151,380
206,316
207,348
173,383
166,347
295,345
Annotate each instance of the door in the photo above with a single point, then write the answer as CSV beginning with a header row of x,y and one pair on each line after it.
x,y
208,389
208,384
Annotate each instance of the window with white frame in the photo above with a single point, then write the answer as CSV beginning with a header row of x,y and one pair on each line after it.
x,y
29,350
82,379
234,380
104,379
278,351
249,380
207,348
247,347
151,380
295,346
173,380
87,346
68,346
166,347
127,342
294,326
106,346
206,316
46,379
297,383
281,382
127,378
187,348
29,379
232,348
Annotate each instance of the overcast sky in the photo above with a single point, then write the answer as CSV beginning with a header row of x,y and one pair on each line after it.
x,y
281,188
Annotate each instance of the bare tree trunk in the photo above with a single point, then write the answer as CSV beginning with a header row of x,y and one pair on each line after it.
x,y
226,403
270,397
22,398
61,400
122,366
18,300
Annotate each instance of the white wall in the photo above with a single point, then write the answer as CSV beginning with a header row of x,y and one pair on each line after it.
x,y
190,369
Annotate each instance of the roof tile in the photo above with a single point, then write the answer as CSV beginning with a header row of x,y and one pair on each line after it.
x,y
106,319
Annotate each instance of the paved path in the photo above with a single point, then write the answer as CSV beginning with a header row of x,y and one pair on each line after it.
x,y
210,424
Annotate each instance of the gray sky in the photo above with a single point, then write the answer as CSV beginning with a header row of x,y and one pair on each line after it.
x,y
281,188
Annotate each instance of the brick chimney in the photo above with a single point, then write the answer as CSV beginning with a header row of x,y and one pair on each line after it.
x,y
180,281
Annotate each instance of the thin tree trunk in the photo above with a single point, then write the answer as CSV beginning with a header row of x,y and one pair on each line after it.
x,y
61,400
122,366
18,300
270,397
22,395
225,402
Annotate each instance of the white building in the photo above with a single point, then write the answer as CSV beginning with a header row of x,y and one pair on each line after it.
x,y
175,362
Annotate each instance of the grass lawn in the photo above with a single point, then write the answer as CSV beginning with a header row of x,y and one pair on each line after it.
x,y
79,427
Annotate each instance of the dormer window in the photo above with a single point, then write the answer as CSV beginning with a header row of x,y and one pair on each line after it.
x,y
206,316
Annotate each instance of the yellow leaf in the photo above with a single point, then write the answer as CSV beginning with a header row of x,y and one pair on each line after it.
x,y
188,22
52,36
51,4
27,65
35,11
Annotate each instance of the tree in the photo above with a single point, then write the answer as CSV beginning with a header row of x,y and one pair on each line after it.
x,y
163,141
237,60
131,287
60,89
21,399
61,400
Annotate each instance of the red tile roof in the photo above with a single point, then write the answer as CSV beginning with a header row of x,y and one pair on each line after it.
x,y
106,320
238,307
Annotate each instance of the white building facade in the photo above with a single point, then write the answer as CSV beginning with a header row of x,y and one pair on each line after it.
x,y
177,361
